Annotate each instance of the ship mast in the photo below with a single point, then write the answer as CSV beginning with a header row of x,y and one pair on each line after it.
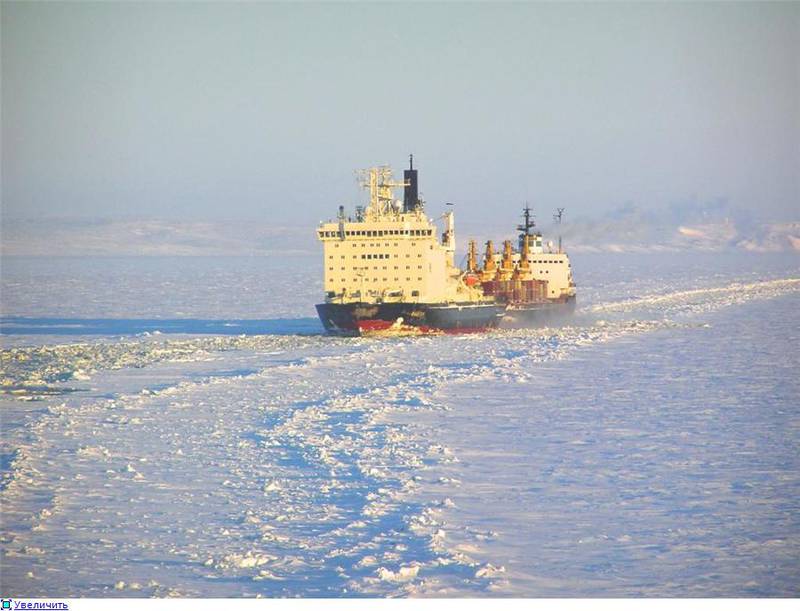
x,y
557,218
529,223
379,182
526,226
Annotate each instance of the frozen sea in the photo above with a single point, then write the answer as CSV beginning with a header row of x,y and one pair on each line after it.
x,y
181,427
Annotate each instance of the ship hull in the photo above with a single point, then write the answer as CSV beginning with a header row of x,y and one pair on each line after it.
x,y
408,318
538,314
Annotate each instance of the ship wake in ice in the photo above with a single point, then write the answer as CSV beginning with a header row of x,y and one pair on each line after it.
x,y
284,465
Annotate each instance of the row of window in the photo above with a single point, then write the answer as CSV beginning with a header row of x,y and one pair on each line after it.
x,y
364,245
377,233
330,269
344,280
332,294
377,256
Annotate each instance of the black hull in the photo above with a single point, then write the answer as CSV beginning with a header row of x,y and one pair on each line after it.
x,y
361,318
538,314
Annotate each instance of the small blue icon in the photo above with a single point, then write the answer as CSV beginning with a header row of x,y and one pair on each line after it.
x,y
6,603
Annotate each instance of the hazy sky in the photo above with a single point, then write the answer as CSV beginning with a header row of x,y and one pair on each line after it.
x,y
263,111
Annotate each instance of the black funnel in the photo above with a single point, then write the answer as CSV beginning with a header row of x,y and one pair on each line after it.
x,y
411,190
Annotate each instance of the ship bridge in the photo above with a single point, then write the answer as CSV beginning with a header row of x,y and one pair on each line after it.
x,y
390,251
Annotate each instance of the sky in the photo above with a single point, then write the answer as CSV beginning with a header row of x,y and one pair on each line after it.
x,y
263,111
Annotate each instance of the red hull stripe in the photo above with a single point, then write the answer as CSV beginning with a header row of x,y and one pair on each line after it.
x,y
373,325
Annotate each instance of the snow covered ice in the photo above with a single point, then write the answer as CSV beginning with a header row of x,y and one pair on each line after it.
x,y
650,447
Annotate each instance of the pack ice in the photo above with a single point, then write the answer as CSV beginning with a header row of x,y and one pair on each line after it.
x,y
651,447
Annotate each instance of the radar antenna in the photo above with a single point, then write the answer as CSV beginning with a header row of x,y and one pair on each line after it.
x,y
378,181
529,223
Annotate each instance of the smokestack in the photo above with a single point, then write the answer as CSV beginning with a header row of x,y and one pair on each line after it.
x,y
410,191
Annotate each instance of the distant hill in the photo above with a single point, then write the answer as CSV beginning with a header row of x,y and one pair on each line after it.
x,y
710,227
153,238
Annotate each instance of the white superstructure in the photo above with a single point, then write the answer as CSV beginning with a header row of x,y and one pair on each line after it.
x,y
390,250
